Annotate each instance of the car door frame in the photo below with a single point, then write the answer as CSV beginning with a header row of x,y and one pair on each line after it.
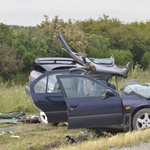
x,y
76,121
55,115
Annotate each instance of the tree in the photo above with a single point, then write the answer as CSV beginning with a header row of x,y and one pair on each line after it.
x,y
46,33
8,62
145,61
6,34
98,46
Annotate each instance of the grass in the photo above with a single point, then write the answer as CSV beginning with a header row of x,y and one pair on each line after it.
x,y
14,98
143,76
6,125
44,138
117,141
38,138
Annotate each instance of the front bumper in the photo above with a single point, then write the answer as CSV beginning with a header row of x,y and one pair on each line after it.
x,y
28,93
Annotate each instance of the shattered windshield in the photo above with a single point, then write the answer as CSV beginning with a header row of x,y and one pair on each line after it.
x,y
138,89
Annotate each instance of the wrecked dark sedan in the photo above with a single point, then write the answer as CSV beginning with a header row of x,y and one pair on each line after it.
x,y
81,95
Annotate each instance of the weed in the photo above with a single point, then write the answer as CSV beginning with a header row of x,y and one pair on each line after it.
x,y
14,98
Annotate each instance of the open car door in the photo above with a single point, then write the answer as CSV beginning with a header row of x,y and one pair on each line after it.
x,y
87,103
47,96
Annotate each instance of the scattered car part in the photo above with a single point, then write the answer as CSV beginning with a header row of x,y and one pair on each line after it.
x,y
87,134
96,65
15,136
13,114
71,139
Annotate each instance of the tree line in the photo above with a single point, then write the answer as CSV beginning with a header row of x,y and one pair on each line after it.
x,y
19,46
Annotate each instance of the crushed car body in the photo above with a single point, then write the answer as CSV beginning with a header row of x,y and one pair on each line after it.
x,y
97,65
77,91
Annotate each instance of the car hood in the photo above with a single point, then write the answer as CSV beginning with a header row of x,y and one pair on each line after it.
x,y
134,87
106,65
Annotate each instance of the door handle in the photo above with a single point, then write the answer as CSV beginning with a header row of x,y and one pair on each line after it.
x,y
74,105
41,100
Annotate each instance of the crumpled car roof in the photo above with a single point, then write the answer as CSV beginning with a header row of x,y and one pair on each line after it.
x,y
107,65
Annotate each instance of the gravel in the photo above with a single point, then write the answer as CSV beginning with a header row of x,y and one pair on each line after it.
x,y
141,146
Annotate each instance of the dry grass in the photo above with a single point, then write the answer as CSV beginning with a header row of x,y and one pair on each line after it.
x,y
45,138
119,140
38,137
14,98
138,73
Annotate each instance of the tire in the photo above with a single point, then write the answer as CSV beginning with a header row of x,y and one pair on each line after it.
x,y
43,119
141,119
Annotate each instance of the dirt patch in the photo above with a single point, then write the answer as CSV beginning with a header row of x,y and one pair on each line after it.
x,y
19,127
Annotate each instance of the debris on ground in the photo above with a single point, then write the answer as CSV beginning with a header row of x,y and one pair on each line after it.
x,y
15,117
87,134
15,136
74,140
9,132
13,114
71,139
30,119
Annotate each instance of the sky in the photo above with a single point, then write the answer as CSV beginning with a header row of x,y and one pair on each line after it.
x,y
31,12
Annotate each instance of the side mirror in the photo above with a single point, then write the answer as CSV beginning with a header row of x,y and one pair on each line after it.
x,y
109,93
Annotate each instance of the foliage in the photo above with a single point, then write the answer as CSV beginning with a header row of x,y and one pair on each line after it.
x,y
6,34
92,38
8,62
30,28
133,37
145,60
98,46
122,57
143,76
46,33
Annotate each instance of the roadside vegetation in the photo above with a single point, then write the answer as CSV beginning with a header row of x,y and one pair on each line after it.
x,y
46,138
100,38
13,98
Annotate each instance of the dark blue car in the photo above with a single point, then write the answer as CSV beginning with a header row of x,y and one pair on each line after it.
x,y
81,95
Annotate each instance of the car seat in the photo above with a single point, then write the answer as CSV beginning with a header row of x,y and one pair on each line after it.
x,y
96,91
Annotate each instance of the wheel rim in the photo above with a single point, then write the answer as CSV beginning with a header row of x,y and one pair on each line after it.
x,y
43,117
143,121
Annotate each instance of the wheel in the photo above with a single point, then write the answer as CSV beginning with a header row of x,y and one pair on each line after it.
x,y
43,119
141,119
